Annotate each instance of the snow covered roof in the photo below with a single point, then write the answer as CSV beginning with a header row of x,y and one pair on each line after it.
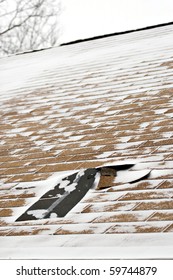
x,y
104,102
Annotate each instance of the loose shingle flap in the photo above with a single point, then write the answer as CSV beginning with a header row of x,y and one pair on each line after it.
x,y
59,200
132,176
62,198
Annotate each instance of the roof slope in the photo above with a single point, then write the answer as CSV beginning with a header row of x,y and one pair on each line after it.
x,y
96,103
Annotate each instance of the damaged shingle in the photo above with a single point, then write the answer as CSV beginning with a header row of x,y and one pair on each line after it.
x,y
62,198
59,200
132,176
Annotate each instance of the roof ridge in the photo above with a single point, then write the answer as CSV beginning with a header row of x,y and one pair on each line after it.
x,y
116,33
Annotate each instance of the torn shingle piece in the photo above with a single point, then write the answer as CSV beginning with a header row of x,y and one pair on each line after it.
x,y
58,201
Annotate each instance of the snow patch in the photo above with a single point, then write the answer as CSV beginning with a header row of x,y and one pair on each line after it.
x,y
18,130
125,139
94,124
170,115
75,138
53,215
160,111
84,121
38,214
127,176
86,143
68,188
26,134
95,148
144,125
67,134
105,155
47,148
167,134
96,181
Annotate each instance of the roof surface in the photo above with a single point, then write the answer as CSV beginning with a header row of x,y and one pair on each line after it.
x,y
102,102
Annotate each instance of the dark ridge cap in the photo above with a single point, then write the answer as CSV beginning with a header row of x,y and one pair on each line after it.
x,y
24,52
90,39
33,51
116,34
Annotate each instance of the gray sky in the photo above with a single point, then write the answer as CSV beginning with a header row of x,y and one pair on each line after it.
x,y
87,18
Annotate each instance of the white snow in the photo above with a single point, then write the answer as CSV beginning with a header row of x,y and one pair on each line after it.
x,y
115,246
126,176
53,215
96,181
17,130
85,107
48,148
102,109
113,112
38,214
169,115
25,133
125,139
160,111
95,124
85,143
39,143
84,121
128,145
67,134
105,154
68,188
167,134
96,148
144,125
159,173
75,138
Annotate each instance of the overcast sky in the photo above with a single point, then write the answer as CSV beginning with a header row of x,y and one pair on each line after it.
x,y
87,18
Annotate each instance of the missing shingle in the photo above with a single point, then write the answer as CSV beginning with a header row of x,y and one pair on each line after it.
x,y
108,174
105,182
108,171
116,167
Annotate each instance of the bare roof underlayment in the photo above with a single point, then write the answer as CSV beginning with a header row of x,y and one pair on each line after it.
x,y
104,102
